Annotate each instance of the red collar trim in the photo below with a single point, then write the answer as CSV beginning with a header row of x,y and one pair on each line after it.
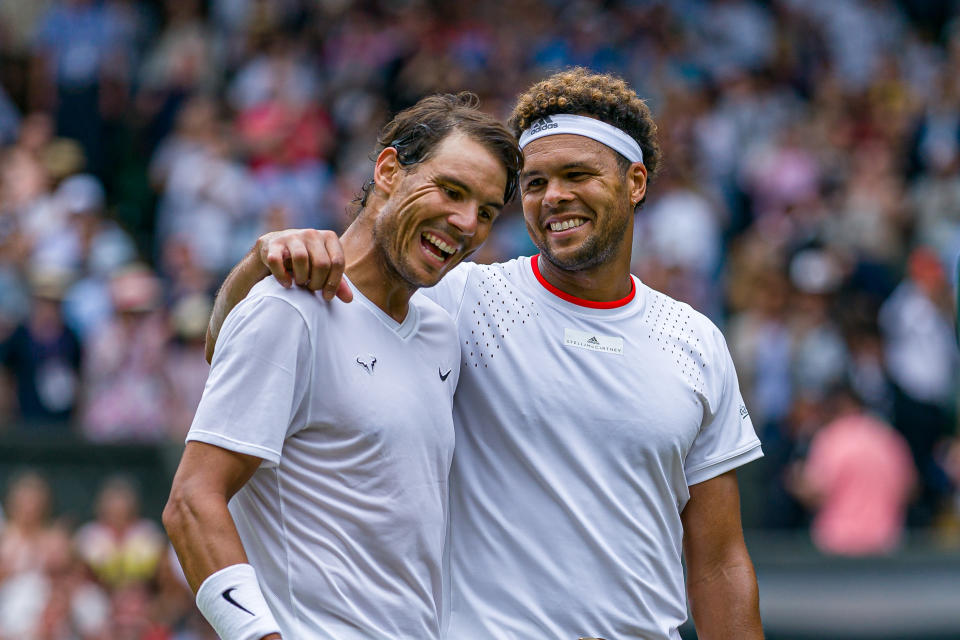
x,y
592,304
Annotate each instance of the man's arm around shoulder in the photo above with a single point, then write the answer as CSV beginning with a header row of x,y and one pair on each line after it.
x,y
721,582
307,257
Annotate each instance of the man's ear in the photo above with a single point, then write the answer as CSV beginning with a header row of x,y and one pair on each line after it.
x,y
637,182
387,170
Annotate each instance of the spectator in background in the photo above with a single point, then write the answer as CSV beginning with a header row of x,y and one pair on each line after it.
x,y
286,135
77,48
24,538
858,478
922,360
43,355
818,361
759,332
87,243
935,157
677,242
206,203
120,546
25,182
127,393
45,591
180,62
87,240
71,604
865,369
872,212
183,274
779,174
132,614
736,34
185,366
195,128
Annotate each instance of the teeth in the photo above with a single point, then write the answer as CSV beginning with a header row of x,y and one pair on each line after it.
x,y
566,224
440,244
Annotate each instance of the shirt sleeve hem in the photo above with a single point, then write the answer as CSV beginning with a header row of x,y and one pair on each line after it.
x,y
234,445
734,459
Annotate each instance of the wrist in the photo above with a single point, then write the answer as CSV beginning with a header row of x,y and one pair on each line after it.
x,y
254,265
232,602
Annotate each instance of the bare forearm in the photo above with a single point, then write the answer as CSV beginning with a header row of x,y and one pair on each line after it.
x,y
235,288
725,603
204,537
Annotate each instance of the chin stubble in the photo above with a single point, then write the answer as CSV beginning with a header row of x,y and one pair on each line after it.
x,y
597,249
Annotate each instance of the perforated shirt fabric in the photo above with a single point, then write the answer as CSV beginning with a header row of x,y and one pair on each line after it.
x,y
578,433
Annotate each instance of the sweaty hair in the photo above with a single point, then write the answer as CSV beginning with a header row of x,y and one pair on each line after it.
x,y
607,98
416,133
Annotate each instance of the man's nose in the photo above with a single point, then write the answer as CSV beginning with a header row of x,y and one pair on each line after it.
x,y
555,194
465,218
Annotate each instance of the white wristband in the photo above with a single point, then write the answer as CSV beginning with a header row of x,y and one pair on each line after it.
x,y
233,604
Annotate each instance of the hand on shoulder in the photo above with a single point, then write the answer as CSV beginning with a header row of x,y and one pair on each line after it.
x,y
311,258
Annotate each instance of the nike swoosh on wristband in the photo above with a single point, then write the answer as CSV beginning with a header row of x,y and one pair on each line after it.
x,y
226,596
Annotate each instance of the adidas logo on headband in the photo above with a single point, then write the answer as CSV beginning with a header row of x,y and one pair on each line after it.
x,y
604,133
542,124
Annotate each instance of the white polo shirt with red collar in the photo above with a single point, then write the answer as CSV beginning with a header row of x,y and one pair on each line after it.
x,y
579,428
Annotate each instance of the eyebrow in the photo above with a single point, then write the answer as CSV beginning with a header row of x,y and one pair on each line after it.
x,y
570,165
466,188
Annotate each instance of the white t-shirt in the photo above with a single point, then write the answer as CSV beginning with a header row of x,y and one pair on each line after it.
x,y
579,431
351,413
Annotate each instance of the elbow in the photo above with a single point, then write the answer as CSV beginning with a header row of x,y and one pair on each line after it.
x,y
191,509
176,514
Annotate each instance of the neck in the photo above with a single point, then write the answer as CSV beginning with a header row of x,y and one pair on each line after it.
x,y
369,272
605,282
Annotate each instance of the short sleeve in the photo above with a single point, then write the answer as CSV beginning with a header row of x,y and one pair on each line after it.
x,y
258,379
726,439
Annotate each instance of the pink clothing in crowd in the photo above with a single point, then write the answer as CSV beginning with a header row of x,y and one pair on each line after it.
x,y
864,473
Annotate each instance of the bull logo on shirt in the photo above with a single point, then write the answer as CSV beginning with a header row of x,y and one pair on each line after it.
x,y
367,362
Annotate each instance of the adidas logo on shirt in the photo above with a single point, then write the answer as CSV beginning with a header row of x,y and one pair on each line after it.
x,y
592,342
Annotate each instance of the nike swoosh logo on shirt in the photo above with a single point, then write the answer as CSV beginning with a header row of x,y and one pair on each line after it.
x,y
226,596
443,376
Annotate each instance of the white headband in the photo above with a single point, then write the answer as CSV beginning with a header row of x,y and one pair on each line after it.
x,y
592,128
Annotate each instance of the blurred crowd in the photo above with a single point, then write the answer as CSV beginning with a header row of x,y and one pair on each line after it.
x,y
112,578
809,203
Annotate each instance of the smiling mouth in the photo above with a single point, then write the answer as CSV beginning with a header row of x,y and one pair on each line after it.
x,y
572,223
437,247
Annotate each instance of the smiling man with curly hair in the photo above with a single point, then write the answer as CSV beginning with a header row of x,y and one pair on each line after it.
x,y
599,423
601,96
